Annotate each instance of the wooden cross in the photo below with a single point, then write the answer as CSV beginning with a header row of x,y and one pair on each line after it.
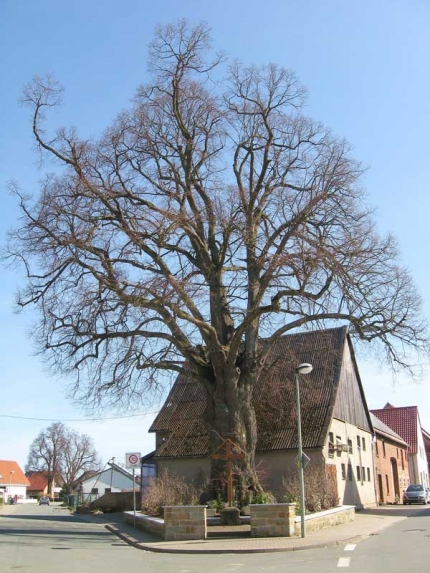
x,y
226,451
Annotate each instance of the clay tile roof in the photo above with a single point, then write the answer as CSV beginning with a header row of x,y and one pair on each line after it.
x,y
38,480
181,416
382,428
404,421
11,473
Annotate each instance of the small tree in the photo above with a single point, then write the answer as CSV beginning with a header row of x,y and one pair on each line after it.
x,y
209,216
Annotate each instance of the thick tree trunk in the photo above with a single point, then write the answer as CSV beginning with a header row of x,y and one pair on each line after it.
x,y
230,415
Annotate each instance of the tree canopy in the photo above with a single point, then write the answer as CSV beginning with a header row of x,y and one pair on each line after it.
x,y
62,452
211,218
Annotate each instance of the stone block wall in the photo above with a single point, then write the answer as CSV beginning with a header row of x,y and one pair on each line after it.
x,y
184,522
152,525
328,518
273,520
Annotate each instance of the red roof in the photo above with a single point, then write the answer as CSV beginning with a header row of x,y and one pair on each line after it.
x,y
38,481
12,474
404,421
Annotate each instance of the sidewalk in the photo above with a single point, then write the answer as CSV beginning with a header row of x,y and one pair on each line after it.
x,y
367,522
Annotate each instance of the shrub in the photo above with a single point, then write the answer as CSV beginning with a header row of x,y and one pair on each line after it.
x,y
263,497
320,490
217,504
170,489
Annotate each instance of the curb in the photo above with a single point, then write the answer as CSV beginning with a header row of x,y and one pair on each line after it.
x,y
139,545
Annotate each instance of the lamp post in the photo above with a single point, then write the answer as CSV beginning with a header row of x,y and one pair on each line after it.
x,y
301,369
10,481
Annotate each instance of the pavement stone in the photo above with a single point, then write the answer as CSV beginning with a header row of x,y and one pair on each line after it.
x,y
367,522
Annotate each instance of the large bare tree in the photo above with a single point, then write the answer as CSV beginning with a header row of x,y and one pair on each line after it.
x,y
62,453
210,219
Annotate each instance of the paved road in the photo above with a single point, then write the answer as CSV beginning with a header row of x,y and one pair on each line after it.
x,y
44,539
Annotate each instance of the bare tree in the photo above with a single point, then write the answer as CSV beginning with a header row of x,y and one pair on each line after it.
x,y
79,455
46,453
206,222
62,452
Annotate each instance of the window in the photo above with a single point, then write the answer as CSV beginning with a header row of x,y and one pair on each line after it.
x,y
363,474
330,445
383,448
358,442
343,468
377,450
358,473
368,474
95,490
403,460
108,490
350,446
363,444
338,441
388,484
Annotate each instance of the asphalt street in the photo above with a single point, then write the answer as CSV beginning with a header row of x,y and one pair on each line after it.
x,y
44,539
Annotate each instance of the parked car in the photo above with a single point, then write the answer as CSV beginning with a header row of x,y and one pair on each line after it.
x,y
44,500
416,493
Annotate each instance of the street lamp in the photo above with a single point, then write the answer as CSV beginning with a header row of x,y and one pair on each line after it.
x,y
301,369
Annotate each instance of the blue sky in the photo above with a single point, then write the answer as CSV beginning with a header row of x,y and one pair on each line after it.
x,y
366,66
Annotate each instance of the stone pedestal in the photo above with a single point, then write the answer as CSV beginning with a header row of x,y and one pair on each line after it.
x,y
230,516
273,520
184,522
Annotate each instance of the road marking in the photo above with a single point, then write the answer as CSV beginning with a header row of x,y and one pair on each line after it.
x,y
344,562
350,547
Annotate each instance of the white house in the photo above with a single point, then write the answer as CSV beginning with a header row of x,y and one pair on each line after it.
x,y
13,481
113,478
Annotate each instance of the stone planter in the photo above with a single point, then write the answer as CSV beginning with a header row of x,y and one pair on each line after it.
x,y
230,516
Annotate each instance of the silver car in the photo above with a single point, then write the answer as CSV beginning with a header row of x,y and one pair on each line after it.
x,y
416,493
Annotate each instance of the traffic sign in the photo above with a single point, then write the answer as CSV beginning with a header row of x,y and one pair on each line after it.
x,y
305,460
132,460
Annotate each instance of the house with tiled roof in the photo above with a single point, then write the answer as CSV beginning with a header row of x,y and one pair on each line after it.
x,y
391,463
405,421
337,431
13,481
39,484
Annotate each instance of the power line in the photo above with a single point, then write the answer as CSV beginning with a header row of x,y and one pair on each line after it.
x,y
77,419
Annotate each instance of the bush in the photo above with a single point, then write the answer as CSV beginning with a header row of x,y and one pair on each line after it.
x,y
320,490
263,498
216,504
170,489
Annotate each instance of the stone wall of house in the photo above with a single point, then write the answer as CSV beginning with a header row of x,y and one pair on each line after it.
x,y
389,455
273,519
184,522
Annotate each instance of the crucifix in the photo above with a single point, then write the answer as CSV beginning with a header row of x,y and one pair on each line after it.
x,y
227,451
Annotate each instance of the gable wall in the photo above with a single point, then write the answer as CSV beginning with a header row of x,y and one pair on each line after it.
x,y
354,486
349,405
104,480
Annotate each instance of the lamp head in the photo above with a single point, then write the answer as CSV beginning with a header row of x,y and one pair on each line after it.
x,y
304,368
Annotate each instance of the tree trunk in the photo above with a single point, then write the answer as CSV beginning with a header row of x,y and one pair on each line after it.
x,y
230,415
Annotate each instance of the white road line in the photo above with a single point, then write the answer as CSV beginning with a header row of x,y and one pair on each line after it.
x,y
344,562
350,547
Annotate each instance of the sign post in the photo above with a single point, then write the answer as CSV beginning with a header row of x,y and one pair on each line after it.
x,y
132,460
